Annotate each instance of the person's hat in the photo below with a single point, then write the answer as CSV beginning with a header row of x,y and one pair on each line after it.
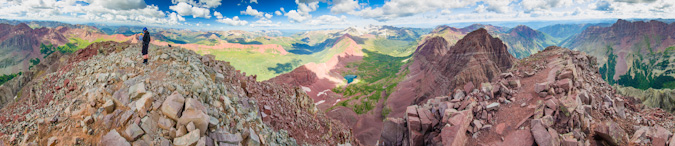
x,y
145,28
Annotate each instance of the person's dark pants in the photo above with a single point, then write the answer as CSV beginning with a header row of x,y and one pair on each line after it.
x,y
144,51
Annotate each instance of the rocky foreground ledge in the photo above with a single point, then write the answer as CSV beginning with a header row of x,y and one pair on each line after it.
x,y
555,97
103,95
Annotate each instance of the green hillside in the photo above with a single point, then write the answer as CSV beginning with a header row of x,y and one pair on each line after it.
x,y
377,74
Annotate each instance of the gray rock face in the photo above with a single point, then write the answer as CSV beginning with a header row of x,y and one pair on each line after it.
x,y
220,77
221,136
144,103
189,139
173,105
52,141
253,138
459,94
149,126
610,132
136,91
109,106
541,135
165,123
113,139
540,87
199,118
394,132
493,106
133,132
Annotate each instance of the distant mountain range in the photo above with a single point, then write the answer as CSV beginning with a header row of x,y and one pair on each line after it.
x,y
632,53
564,31
522,41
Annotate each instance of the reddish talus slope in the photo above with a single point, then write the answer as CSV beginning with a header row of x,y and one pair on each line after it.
x,y
103,95
554,97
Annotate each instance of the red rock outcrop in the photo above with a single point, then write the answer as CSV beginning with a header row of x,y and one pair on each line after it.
x,y
577,108
438,68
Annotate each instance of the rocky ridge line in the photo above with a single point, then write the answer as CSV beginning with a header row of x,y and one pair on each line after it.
x,y
103,95
555,97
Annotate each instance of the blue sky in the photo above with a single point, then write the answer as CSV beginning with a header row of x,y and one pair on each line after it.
x,y
321,14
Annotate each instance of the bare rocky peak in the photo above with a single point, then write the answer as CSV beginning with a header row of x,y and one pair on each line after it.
x,y
439,68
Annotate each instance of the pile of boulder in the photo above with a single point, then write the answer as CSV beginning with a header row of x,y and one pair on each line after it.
x,y
446,120
565,102
103,95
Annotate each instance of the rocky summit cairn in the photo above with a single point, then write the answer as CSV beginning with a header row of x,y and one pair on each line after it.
x,y
102,95
555,97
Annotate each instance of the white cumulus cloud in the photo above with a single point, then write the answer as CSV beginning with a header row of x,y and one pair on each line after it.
x,y
537,5
302,13
344,6
218,14
253,12
328,20
404,8
234,21
200,3
185,9
499,6
119,11
175,17
120,4
637,1
265,23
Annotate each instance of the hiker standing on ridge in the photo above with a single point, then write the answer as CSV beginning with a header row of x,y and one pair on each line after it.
x,y
146,42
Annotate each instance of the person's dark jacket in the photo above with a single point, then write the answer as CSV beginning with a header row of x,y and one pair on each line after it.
x,y
146,38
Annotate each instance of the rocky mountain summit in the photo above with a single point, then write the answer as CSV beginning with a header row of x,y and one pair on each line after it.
x,y
438,68
555,97
103,95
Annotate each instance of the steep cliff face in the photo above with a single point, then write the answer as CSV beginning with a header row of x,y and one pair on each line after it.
x,y
20,43
438,68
